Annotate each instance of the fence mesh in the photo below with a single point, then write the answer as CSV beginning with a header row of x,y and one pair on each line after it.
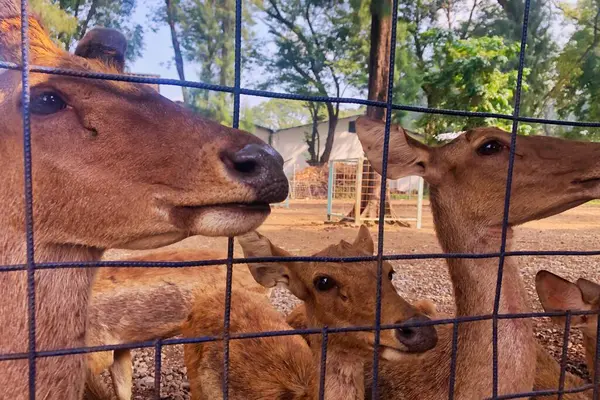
x,y
32,355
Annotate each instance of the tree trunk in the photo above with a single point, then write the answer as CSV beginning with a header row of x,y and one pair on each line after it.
x,y
379,67
176,48
333,114
313,138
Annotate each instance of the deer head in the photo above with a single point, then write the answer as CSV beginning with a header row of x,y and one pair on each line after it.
x,y
558,294
468,175
114,163
344,294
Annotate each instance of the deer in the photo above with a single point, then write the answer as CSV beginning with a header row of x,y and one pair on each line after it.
x,y
547,369
282,367
467,179
138,304
115,165
558,294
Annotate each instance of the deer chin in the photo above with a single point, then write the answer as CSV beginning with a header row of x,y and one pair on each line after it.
x,y
392,353
220,220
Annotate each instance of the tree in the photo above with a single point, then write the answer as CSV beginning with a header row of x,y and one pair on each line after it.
x,y
504,18
58,22
279,114
576,88
313,42
171,10
379,68
472,75
86,14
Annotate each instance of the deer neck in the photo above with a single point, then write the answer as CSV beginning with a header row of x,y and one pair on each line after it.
x,y
344,374
61,298
474,282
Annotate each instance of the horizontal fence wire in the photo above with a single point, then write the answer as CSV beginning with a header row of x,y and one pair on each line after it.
x,y
237,91
291,96
290,332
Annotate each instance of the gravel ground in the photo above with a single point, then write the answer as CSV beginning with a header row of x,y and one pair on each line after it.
x,y
577,229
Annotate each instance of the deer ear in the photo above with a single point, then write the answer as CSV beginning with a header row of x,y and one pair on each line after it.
x,y
104,44
364,241
406,156
590,291
271,274
558,294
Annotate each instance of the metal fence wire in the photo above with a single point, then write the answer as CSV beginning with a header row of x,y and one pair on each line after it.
x,y
33,354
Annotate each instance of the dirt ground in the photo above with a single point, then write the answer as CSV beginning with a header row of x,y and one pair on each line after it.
x,y
301,230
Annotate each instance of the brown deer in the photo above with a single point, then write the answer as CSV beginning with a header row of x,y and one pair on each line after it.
x,y
129,305
115,165
547,369
468,179
333,295
558,294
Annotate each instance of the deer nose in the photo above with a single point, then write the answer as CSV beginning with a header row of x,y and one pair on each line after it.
x,y
419,338
261,167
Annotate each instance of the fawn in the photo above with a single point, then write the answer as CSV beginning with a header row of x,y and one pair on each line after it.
x,y
333,295
467,179
115,165
139,304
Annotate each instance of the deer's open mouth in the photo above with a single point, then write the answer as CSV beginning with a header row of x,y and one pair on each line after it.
x,y
229,219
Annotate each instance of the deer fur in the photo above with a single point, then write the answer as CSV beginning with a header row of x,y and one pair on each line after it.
x,y
558,294
467,179
129,305
343,304
119,166
281,367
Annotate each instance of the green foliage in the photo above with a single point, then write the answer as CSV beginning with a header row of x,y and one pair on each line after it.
x,y
577,86
58,22
69,20
472,75
219,107
280,114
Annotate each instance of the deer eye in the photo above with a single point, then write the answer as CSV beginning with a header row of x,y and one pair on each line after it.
x,y
46,103
490,147
324,283
391,274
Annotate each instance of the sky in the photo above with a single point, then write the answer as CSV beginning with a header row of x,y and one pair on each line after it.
x,y
158,58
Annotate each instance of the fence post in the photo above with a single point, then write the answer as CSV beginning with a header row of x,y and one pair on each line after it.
x,y
358,190
420,202
330,190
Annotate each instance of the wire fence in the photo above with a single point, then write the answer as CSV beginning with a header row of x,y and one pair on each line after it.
x,y
33,354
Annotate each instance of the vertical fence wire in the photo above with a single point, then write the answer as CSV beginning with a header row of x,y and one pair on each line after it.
x,y
25,99
323,362
230,241
157,367
505,227
453,358
381,227
596,377
564,356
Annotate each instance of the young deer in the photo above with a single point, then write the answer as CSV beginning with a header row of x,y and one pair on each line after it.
x,y
558,294
333,295
130,305
467,178
115,165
